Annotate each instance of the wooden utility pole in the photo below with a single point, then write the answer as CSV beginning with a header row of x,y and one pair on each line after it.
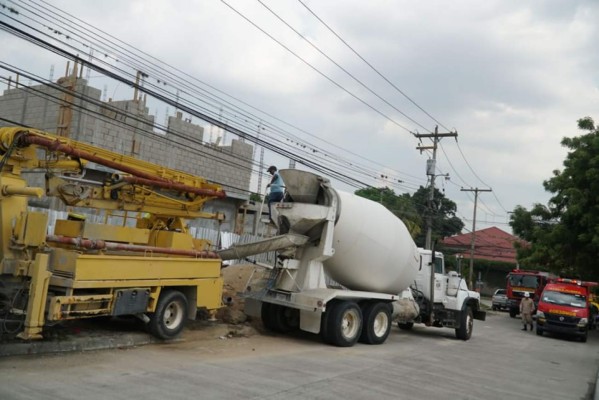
x,y
430,171
473,236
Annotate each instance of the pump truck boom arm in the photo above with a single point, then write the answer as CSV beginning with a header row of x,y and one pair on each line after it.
x,y
139,186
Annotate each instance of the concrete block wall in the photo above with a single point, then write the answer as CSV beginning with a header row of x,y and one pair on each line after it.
x,y
127,127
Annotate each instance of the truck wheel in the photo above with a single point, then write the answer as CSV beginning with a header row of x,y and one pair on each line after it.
x,y
344,324
278,318
406,326
288,318
267,316
169,318
513,313
466,325
376,323
584,337
539,331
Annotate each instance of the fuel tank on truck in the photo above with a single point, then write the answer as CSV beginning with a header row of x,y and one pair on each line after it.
x,y
374,251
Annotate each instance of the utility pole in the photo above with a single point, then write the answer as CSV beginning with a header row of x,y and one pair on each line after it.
x,y
430,171
475,190
261,163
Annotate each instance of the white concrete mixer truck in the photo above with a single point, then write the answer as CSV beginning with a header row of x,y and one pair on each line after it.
x,y
348,268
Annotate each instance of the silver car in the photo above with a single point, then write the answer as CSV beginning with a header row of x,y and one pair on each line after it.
x,y
499,300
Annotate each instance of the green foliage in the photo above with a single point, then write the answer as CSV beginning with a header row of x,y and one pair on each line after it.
x,y
565,234
445,222
412,210
256,197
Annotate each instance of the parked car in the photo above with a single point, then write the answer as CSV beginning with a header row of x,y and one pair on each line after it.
x,y
499,300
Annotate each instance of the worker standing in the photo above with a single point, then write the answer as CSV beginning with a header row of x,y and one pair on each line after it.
x,y
527,306
277,188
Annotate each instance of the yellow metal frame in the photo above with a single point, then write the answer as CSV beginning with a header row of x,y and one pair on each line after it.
x,y
69,282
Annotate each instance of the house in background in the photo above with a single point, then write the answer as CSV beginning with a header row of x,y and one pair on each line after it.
x,y
494,255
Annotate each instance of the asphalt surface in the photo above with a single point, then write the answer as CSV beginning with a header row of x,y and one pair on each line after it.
x,y
89,337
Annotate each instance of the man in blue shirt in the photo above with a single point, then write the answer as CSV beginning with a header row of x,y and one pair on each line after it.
x,y
277,188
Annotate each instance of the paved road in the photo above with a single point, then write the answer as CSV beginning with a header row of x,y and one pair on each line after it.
x,y
499,362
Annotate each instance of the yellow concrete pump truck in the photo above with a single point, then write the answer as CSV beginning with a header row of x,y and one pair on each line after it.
x,y
150,267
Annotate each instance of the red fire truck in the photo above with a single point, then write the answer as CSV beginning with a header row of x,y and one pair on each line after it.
x,y
566,307
520,281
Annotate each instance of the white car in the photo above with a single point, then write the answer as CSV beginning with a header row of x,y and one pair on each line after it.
x,y
499,300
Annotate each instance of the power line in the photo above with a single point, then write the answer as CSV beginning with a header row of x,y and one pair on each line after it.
x,y
402,93
185,108
245,125
316,69
340,67
124,57
371,66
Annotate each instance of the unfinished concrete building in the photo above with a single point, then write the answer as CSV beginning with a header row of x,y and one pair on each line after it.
x,y
127,127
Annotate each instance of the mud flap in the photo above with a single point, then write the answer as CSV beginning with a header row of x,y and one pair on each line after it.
x,y
480,315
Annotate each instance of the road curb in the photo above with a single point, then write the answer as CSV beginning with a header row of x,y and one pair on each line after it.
x,y
99,342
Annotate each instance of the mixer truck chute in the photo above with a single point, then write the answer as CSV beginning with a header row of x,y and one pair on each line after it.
x,y
347,268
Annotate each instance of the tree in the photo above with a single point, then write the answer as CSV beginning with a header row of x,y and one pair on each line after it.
x,y
257,197
445,222
412,210
532,226
564,235
401,206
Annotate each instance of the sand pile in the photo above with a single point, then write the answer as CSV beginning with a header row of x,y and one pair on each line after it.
x,y
239,279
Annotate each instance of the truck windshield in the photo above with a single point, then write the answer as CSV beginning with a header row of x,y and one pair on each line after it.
x,y
527,281
564,299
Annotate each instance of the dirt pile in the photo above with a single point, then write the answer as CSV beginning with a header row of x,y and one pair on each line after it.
x,y
239,279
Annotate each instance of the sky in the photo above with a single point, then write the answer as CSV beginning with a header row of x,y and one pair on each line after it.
x,y
511,77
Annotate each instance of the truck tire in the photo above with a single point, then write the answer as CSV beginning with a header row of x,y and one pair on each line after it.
x,y
278,318
343,323
539,330
466,325
267,316
376,323
513,312
584,337
170,316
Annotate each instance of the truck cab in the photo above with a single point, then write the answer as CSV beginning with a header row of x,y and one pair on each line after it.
x,y
520,282
453,305
565,307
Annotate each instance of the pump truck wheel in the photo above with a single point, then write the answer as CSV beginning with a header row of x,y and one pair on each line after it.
x,y
169,318
466,325
376,323
344,323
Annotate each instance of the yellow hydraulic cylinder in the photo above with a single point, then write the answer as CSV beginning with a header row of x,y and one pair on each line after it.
x,y
9,190
38,292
